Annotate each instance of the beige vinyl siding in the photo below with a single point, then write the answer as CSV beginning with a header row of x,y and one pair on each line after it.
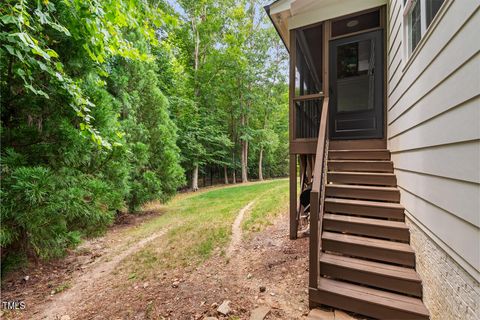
x,y
433,126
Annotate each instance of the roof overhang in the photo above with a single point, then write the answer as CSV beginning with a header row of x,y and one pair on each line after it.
x,y
279,12
291,14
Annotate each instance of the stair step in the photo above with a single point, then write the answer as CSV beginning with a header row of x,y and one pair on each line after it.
x,y
360,165
394,230
362,192
380,275
357,144
363,247
367,301
365,178
367,208
359,154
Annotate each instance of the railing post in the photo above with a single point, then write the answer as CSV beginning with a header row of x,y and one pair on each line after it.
x,y
317,198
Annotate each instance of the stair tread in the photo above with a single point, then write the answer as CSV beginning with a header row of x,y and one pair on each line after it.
x,y
356,161
360,154
350,186
370,203
369,221
363,173
360,165
374,296
366,241
371,267
359,150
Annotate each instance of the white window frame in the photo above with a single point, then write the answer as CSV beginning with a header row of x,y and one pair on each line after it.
x,y
406,9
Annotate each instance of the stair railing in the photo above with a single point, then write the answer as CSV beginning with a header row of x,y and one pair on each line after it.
x,y
317,197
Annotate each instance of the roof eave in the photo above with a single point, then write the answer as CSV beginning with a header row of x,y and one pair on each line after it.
x,y
267,9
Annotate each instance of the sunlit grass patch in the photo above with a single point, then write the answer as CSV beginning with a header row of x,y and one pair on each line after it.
x,y
200,224
266,207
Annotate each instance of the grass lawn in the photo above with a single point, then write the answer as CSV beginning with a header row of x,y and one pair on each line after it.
x,y
200,223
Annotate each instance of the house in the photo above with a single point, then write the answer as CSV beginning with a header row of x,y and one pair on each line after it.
x,y
385,138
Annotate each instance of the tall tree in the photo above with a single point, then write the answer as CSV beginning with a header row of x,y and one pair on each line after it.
x,y
75,150
203,22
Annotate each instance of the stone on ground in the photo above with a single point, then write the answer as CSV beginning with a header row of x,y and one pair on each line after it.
x,y
224,308
317,314
340,315
260,313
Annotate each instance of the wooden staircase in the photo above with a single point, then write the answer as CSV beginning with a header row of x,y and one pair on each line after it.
x,y
366,264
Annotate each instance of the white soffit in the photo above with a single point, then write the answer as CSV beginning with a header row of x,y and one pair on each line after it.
x,y
306,12
280,6
279,12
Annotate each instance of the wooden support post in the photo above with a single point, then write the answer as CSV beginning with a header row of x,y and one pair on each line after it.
x,y
325,52
317,194
302,163
309,168
291,89
313,262
293,197
293,156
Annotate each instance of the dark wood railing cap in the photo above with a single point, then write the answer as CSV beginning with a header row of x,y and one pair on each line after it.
x,y
317,171
313,96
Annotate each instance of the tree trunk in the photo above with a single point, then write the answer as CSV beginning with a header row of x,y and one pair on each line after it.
x,y
225,171
244,155
211,176
195,178
244,162
196,88
234,178
260,159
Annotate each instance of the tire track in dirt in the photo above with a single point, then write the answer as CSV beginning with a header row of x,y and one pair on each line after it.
x,y
85,284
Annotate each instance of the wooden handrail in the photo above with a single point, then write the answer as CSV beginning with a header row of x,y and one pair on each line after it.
x,y
320,146
316,198
313,96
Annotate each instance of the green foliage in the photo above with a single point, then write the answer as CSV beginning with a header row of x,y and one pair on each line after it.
x,y
232,88
31,31
13,261
70,68
107,105
50,208
150,134
62,287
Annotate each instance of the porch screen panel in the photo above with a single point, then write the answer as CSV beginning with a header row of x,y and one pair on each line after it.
x,y
307,118
308,81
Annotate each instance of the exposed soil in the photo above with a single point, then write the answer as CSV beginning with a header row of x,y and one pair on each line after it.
x,y
93,288
237,231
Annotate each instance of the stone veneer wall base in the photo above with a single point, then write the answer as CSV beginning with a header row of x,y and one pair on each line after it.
x,y
449,292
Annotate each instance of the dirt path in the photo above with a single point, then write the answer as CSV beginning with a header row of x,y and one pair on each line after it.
x,y
260,269
86,283
237,230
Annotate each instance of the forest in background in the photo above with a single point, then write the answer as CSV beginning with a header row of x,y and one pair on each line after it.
x,y
109,104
